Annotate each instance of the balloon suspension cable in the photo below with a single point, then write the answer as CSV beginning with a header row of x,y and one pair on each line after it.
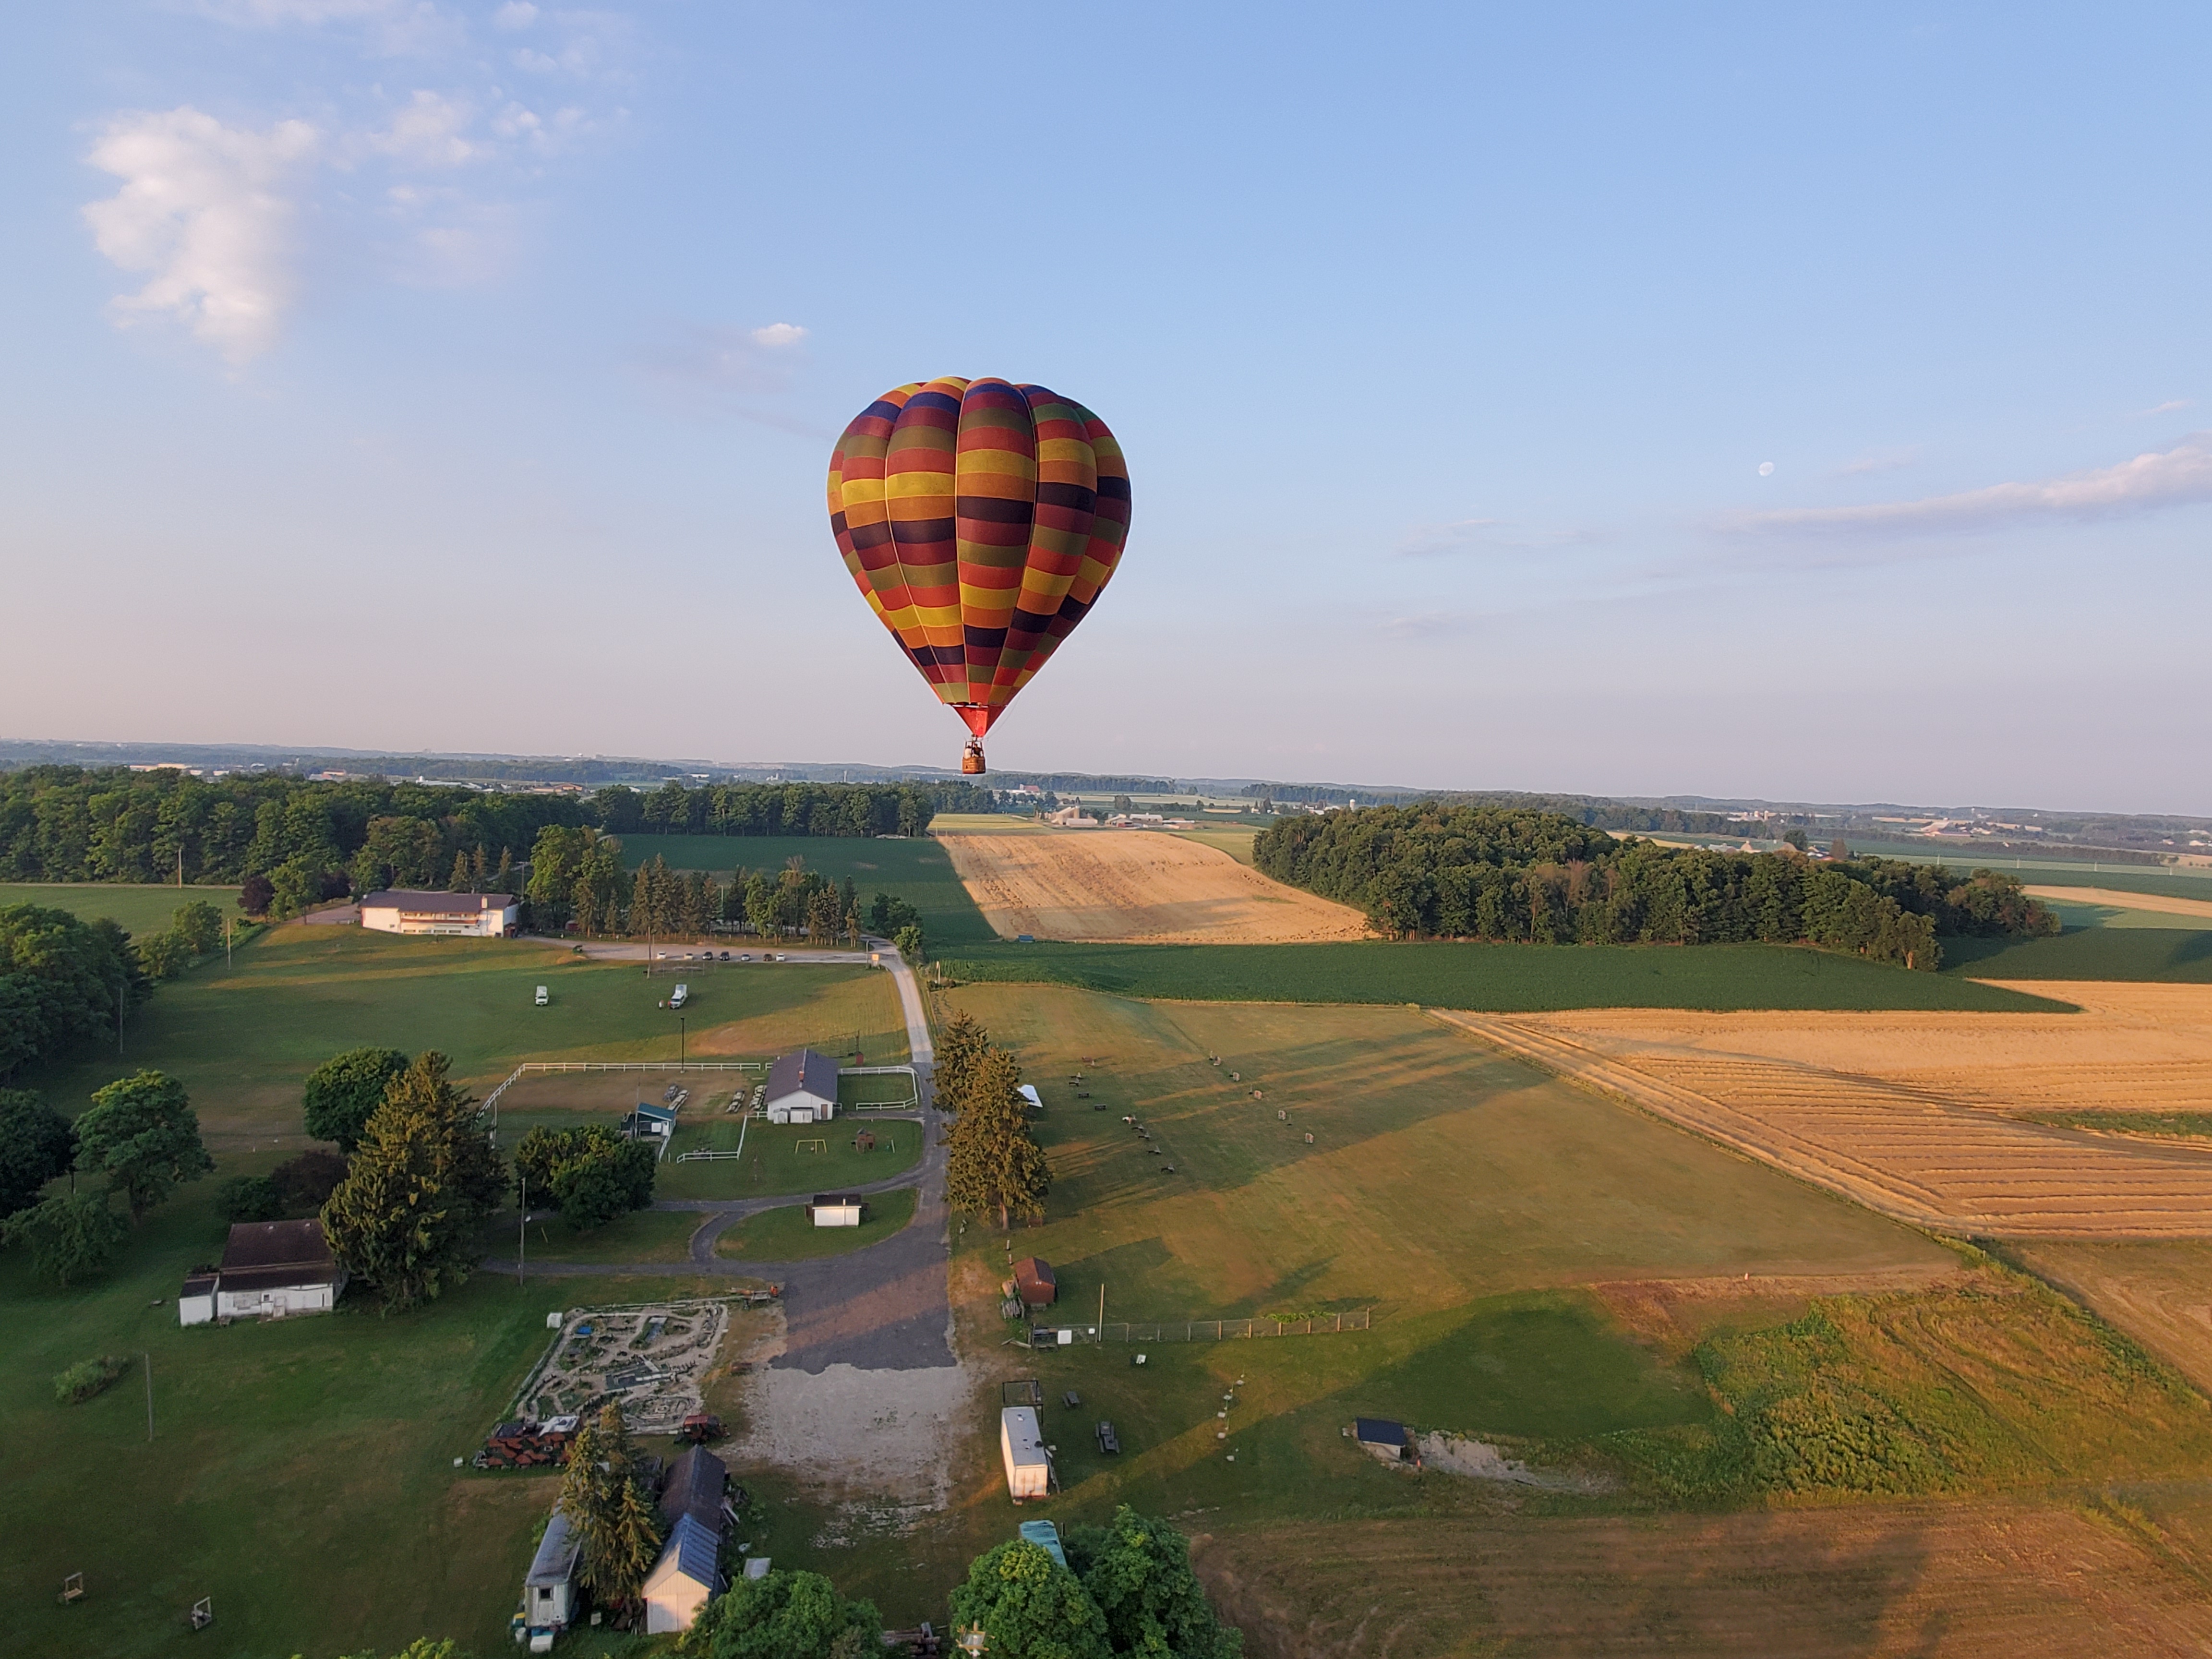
x,y
971,758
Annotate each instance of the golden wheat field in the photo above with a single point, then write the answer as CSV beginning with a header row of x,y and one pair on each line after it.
x,y
1920,1116
1133,886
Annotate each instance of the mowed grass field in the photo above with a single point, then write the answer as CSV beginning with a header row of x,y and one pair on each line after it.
x,y
916,870
138,910
300,1473
1496,978
1438,1171
2143,951
242,1039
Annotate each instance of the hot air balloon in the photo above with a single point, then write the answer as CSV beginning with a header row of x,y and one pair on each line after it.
x,y
981,521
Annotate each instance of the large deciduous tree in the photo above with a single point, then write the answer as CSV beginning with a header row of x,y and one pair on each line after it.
x,y
994,1162
71,1237
1137,1568
785,1615
1029,1607
590,1171
404,1220
142,1134
340,1093
37,1145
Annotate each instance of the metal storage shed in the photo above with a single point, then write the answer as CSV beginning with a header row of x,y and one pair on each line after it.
x,y
1380,1438
837,1210
1021,1444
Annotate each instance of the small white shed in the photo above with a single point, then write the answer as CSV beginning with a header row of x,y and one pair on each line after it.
x,y
1021,1443
837,1209
685,1579
196,1302
549,1593
1031,1097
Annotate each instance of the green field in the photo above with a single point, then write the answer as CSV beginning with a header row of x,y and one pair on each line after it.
x,y
2074,915
242,1039
1439,1171
2178,955
300,1473
773,1164
2174,881
1504,978
139,910
641,1236
787,1235
918,871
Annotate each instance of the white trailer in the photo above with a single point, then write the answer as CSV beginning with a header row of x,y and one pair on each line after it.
x,y
1021,1443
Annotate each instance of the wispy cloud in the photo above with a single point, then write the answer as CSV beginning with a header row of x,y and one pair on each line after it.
x,y
207,211
389,28
1476,537
738,359
2179,477
1887,460
2166,408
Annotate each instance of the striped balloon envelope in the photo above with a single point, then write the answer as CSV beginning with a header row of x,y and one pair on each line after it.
x,y
980,520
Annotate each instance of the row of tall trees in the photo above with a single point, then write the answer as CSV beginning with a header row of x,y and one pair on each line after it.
x,y
994,1164
781,808
1502,873
576,877
65,983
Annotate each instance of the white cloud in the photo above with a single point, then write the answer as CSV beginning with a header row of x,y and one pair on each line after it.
x,y
206,209
754,360
515,14
777,335
394,26
430,131
2179,477
2168,407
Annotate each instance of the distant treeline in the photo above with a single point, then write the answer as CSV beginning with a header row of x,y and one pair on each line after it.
x,y
1600,813
314,841
1440,871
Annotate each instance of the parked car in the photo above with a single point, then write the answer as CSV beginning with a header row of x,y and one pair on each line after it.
x,y
744,956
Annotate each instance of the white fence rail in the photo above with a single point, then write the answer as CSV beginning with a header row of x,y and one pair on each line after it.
x,y
491,1105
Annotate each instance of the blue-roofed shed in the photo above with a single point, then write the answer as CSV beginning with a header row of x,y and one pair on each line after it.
x,y
1380,1438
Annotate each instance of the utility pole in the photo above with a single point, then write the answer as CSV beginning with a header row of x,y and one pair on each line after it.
x,y
683,1045
147,1360
225,944
522,1231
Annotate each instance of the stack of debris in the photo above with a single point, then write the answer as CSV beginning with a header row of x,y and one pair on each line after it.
x,y
527,1443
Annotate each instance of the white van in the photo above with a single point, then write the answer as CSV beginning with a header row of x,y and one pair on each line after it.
x,y
544,996
681,995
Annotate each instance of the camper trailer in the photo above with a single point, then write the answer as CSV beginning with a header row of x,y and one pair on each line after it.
x,y
544,996
681,995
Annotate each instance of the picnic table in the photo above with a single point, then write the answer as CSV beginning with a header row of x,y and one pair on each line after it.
x,y
1107,1440
1070,1399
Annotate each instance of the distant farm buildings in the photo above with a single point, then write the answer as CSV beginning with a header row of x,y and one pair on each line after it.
x,y
1071,818
470,915
269,1269
802,1087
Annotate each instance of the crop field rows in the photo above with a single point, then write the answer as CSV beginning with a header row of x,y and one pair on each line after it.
x,y
1893,1143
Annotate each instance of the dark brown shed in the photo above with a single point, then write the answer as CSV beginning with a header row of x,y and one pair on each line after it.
x,y
1034,1283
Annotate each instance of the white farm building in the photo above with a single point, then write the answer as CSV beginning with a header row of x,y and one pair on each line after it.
x,y
269,1269
802,1087
478,915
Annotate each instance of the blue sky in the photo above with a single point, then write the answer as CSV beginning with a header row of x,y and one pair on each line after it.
x,y
1745,401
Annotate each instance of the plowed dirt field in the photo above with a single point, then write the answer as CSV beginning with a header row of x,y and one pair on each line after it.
x,y
1133,886
1919,1114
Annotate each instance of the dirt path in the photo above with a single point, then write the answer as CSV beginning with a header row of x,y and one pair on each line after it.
x,y
1133,886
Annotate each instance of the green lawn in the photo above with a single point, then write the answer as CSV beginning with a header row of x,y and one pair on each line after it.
x,y
1505,978
2074,915
242,1039
787,1234
2176,955
641,1236
140,911
301,1472
774,1165
918,871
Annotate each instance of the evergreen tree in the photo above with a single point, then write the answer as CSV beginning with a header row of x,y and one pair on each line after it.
x,y
503,881
477,869
618,1529
404,1220
994,1162
458,881
143,1134
959,1046
586,909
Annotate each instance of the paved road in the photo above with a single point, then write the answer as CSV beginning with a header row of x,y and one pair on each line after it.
x,y
883,1308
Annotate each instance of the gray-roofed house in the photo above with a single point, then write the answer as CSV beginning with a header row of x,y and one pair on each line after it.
x,y
271,1268
549,1595
802,1087
698,1481
687,1576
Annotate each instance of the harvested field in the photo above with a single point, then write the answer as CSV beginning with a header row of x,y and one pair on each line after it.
x,y
2159,1294
1106,886
2004,1580
1905,1112
2163,903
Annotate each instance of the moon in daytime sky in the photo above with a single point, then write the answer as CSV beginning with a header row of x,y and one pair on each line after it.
x,y
1766,469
